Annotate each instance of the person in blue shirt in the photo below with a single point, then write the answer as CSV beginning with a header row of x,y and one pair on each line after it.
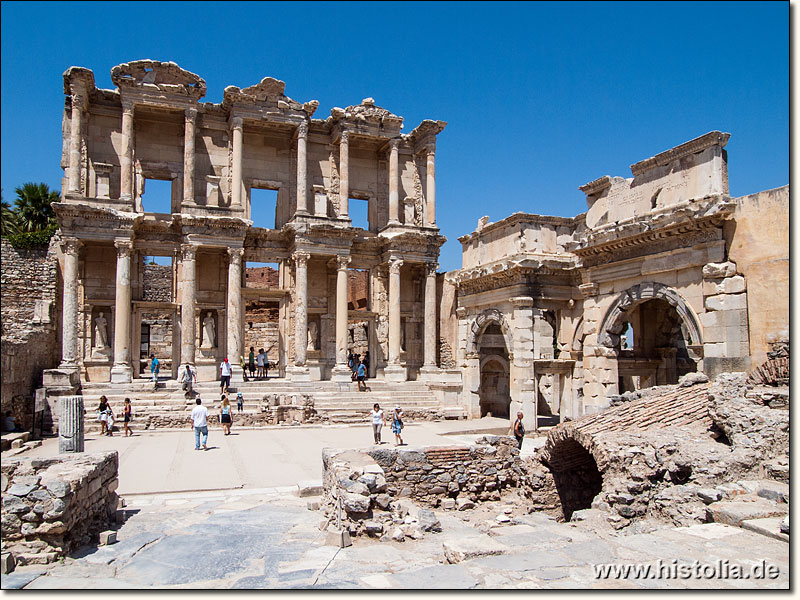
x,y
361,372
154,368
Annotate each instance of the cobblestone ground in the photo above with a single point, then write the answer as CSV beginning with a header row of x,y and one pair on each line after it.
x,y
267,538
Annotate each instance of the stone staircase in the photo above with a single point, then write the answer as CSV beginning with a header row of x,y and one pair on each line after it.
x,y
333,402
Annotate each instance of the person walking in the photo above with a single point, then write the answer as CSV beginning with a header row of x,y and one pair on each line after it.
x,y
251,362
397,426
378,421
102,415
127,416
154,369
361,371
225,376
260,363
225,416
239,402
109,420
200,424
188,378
519,430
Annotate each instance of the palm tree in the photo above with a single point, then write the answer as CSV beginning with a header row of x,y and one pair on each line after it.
x,y
33,206
8,219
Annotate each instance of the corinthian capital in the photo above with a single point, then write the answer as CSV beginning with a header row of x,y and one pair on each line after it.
x,y
344,138
235,255
70,246
342,262
302,129
127,105
188,251
431,268
124,248
237,123
191,114
394,265
301,259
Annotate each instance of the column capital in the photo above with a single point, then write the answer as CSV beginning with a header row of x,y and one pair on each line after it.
x,y
188,251
235,255
71,246
124,248
430,149
79,99
190,114
588,290
301,258
431,268
344,137
127,105
461,312
395,264
302,129
342,262
521,301
237,123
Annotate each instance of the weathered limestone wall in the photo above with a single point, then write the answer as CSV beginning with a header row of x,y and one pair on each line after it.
x,y
30,321
758,242
51,506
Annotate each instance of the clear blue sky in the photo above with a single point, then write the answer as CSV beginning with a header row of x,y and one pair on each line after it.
x,y
540,98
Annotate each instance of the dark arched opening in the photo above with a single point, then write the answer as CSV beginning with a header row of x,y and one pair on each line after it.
x,y
495,392
576,476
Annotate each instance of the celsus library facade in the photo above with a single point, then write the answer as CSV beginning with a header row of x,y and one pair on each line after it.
x,y
664,274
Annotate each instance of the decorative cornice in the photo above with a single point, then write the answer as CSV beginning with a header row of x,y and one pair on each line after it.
x,y
595,187
167,77
698,144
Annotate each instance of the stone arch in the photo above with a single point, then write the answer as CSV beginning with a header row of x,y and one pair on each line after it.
x,y
577,337
479,325
614,321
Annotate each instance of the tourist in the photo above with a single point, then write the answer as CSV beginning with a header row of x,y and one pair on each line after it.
x,y
362,375
127,416
187,378
366,364
109,420
239,402
266,365
102,415
243,367
260,363
225,416
251,362
351,360
397,425
154,368
378,421
200,424
225,376
9,424
519,430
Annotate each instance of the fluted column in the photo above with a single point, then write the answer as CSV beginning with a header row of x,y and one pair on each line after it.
x,y
302,169
75,132
430,186
341,309
122,372
188,155
394,192
344,175
429,348
235,311
236,180
126,158
188,285
301,308
69,331
394,310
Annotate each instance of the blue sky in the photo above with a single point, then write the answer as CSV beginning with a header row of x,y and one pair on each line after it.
x,y
540,97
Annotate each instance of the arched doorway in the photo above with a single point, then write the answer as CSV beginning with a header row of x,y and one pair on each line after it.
x,y
495,387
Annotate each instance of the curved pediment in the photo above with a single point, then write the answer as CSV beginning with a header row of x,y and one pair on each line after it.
x,y
166,76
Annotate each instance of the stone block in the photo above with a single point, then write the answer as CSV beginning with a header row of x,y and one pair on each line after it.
x,y
712,350
7,563
732,285
711,319
726,302
313,505
769,527
733,512
773,490
16,443
719,270
311,487
467,548
339,538
448,504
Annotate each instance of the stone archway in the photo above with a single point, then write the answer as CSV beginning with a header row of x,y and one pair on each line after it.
x,y
479,325
494,392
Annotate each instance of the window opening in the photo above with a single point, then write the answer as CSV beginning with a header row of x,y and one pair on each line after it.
x,y
157,196
261,275
263,207
359,213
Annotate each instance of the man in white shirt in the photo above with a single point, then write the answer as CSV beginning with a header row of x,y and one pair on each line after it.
x,y
200,424
225,376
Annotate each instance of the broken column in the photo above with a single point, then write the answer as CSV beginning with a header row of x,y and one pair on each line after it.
x,y
70,425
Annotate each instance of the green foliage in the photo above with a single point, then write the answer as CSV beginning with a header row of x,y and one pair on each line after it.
x,y
8,219
32,239
33,207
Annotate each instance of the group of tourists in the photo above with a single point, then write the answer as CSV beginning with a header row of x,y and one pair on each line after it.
x,y
359,368
199,418
379,420
106,417
257,364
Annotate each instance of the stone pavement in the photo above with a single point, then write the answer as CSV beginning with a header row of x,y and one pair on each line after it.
x,y
267,538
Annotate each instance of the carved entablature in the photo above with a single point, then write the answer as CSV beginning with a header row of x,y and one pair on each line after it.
x,y
78,80
367,118
698,144
94,221
212,226
413,246
268,94
423,137
166,77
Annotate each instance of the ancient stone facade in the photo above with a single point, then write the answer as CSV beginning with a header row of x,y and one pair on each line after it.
x,y
642,288
153,126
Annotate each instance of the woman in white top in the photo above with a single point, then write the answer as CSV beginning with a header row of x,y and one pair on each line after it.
x,y
378,421
260,363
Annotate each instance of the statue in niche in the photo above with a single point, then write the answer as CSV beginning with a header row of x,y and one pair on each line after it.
x,y
313,331
100,332
209,331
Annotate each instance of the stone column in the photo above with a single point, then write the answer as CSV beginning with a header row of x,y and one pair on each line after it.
x,y
188,155
236,178
188,287
70,424
394,371
69,331
523,386
341,372
235,312
430,187
300,372
429,368
126,158
344,175
122,372
394,192
302,169
75,133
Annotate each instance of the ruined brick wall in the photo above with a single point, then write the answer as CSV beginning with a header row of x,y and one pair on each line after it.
x,y
261,328
52,506
161,335
157,283
261,277
30,324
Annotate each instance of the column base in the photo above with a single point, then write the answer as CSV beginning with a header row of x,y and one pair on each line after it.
x,y
430,373
121,374
341,373
395,373
296,373
237,374
63,380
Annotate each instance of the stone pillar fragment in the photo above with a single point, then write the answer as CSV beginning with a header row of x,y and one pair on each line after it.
x,y
394,371
344,176
70,424
122,372
188,287
394,193
235,350
341,372
430,187
302,169
188,155
236,182
75,133
126,158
